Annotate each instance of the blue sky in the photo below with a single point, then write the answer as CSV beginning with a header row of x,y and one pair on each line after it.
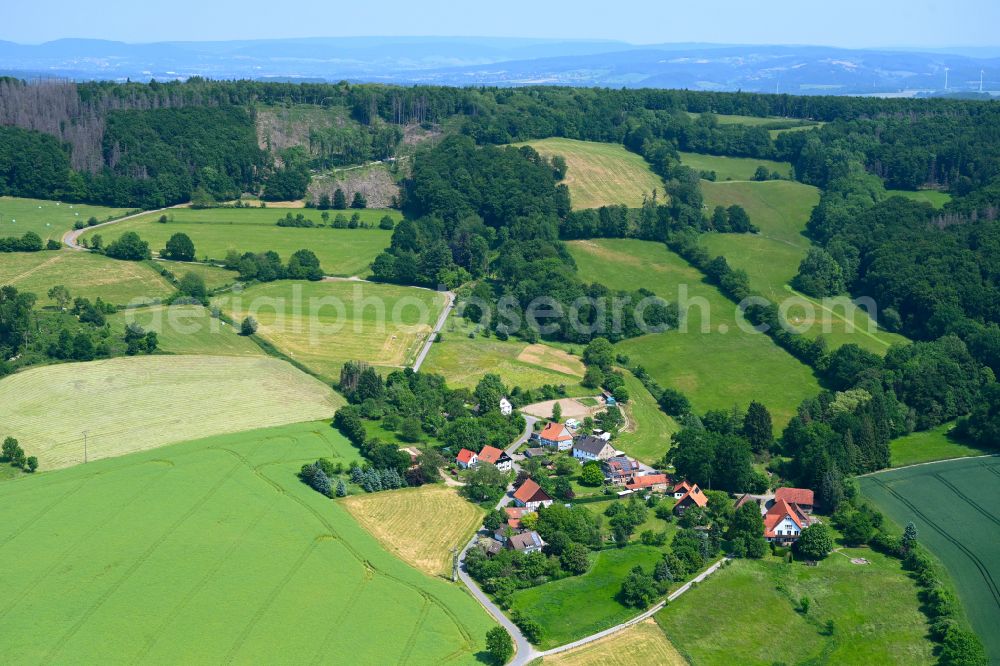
x,y
849,23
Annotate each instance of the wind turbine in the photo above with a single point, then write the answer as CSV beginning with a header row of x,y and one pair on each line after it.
x,y
980,80
946,70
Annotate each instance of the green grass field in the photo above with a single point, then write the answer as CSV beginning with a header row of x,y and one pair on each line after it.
x,y
715,369
578,606
142,402
733,168
215,231
933,197
746,614
954,506
649,436
48,219
928,446
84,274
187,329
463,360
212,551
324,324
601,174
215,277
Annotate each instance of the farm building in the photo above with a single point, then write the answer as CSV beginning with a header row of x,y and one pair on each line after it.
x,y
490,546
783,522
653,482
514,514
526,542
531,495
534,452
592,448
621,470
466,458
692,497
557,436
802,497
496,457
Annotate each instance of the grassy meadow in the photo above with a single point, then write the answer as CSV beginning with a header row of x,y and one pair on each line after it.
x,y
641,644
578,606
928,446
954,506
324,324
601,174
717,368
48,219
463,360
647,436
733,168
215,231
215,277
187,329
84,274
212,551
418,525
747,613
135,403
933,197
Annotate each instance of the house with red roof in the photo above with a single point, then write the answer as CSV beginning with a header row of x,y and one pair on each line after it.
x,y
496,457
691,497
514,515
803,497
621,470
784,522
681,489
557,436
530,495
466,458
652,482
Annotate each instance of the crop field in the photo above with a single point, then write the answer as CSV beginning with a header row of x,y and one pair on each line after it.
x,y
418,525
215,231
578,606
954,506
215,277
641,644
187,329
142,402
463,360
212,551
717,368
874,608
84,274
48,219
733,168
647,436
601,174
324,324
928,446
933,197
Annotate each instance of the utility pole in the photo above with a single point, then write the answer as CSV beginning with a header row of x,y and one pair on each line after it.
x,y
454,565
84,447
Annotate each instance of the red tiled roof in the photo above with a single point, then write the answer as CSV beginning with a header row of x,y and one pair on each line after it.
x,y
647,481
777,513
531,492
490,454
696,496
556,432
802,496
465,456
514,514
683,485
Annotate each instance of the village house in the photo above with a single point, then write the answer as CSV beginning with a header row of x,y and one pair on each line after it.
x,y
652,482
505,407
557,436
526,542
490,546
466,458
514,515
531,496
496,457
592,448
534,452
784,522
621,470
801,497
692,496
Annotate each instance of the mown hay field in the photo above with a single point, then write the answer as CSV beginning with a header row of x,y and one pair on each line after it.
x,y
215,231
641,644
717,366
954,506
187,329
84,274
324,324
733,168
212,551
48,219
420,526
142,402
601,174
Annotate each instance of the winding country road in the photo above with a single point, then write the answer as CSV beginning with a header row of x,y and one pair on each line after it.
x,y
71,237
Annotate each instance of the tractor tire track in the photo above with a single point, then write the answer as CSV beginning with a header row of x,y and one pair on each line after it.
x,y
989,516
41,514
983,569
146,554
990,468
337,623
411,642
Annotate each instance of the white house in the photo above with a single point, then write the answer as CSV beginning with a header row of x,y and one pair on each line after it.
x,y
557,436
505,407
592,448
784,522
466,458
496,457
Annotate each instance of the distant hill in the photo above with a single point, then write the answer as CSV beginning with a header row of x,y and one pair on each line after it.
x,y
517,62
